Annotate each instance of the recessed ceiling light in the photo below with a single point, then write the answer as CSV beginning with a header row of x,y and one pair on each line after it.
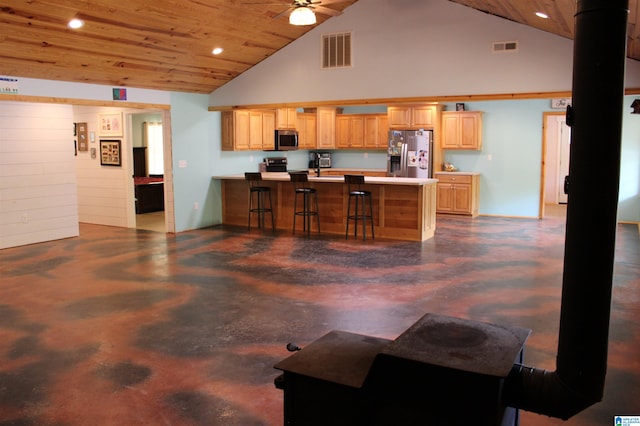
x,y
217,50
75,23
542,15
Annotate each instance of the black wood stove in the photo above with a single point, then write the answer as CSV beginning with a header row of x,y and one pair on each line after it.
x,y
440,371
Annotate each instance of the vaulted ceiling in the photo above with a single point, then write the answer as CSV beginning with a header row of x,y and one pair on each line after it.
x,y
167,44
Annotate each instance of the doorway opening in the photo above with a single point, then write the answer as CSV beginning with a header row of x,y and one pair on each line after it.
x,y
147,146
555,164
152,170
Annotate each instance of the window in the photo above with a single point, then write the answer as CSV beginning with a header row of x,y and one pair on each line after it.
x,y
153,140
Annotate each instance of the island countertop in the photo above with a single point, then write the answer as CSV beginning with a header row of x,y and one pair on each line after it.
x,y
404,208
284,177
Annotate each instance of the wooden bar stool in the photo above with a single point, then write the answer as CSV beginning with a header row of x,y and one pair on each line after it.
x,y
262,194
299,180
360,198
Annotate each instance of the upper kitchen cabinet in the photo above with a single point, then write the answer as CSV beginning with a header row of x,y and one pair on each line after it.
x,y
359,131
349,131
376,130
326,117
286,118
461,130
235,130
413,117
268,130
307,130
247,129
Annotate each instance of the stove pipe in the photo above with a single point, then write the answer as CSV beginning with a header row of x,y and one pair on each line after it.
x,y
594,173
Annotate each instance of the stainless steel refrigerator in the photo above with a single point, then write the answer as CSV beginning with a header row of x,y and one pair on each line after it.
x,y
409,153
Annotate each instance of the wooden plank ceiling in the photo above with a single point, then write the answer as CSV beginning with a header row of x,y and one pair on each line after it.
x,y
167,44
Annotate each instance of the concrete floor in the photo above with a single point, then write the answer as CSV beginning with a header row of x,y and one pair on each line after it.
x,y
151,221
134,327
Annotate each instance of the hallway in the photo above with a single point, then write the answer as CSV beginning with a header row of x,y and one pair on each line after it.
x,y
132,327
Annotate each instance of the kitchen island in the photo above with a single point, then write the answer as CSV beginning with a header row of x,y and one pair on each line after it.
x,y
403,208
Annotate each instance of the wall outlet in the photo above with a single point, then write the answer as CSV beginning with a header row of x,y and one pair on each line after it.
x,y
182,164
489,157
25,218
196,206
366,155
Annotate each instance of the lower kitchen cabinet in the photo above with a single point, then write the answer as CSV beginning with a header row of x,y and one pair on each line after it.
x,y
457,193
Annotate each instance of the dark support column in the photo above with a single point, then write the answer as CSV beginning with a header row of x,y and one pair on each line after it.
x,y
594,174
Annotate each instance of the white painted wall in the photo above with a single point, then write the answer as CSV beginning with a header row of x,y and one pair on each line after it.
x,y
105,193
38,200
406,48
95,92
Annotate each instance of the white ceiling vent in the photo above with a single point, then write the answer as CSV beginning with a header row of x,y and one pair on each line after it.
x,y
505,46
336,50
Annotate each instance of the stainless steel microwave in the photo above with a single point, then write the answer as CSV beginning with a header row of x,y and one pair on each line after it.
x,y
286,140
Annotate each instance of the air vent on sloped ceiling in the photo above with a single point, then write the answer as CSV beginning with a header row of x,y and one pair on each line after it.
x,y
336,50
504,46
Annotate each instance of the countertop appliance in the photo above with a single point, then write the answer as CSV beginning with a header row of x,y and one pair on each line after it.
x,y
319,160
409,153
276,164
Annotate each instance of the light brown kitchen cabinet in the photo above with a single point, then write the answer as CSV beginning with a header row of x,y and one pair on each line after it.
x,y
457,193
235,130
268,130
359,131
349,131
326,117
255,130
412,117
247,130
461,130
307,130
227,137
286,118
376,130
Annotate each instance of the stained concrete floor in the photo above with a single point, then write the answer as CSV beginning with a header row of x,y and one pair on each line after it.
x,y
133,327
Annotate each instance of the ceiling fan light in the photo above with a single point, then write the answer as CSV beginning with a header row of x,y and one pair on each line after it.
x,y
75,23
302,16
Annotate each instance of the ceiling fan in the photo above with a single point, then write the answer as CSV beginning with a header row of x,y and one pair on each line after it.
x,y
303,11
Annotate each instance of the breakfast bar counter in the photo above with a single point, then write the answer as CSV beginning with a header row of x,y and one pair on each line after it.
x,y
403,208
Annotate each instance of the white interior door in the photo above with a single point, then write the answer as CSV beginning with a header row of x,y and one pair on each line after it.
x,y
563,158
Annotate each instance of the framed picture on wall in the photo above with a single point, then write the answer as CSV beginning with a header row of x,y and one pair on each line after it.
x,y
83,141
110,124
110,153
